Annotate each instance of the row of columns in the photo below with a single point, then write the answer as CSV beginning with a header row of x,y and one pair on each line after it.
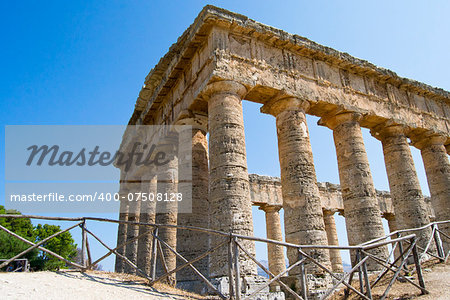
x,y
226,194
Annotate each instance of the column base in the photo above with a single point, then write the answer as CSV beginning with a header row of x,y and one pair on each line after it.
x,y
249,284
317,285
194,286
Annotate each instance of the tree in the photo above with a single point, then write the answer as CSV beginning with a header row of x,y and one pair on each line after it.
x,y
11,246
62,244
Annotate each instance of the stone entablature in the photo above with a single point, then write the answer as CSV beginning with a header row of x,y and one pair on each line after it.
x,y
266,190
221,45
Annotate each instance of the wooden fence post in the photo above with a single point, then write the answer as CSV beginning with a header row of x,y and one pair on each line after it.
x,y
154,253
366,277
438,242
237,270
303,277
83,246
418,267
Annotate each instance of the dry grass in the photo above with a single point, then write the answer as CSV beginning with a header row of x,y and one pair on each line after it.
x,y
405,290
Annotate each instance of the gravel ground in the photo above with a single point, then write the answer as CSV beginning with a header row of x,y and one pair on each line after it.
x,y
76,285
437,282
105,285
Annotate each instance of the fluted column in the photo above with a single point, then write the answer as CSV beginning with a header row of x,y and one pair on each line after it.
x,y
437,168
122,228
362,214
147,215
275,253
192,244
132,230
335,254
303,218
406,193
166,211
229,192
392,223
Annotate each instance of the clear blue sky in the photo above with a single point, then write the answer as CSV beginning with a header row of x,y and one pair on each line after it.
x,y
84,62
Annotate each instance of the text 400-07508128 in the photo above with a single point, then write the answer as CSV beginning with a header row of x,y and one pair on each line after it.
x,y
138,196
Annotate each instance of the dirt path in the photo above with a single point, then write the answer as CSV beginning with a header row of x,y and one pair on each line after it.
x,y
437,282
75,285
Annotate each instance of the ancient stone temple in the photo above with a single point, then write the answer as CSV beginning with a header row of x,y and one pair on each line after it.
x,y
225,58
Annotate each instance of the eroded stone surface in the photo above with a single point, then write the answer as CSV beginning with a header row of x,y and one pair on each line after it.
x,y
229,192
406,193
335,254
362,215
303,219
191,244
437,168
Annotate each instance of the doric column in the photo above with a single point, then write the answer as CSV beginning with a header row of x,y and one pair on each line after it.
x,y
132,230
362,214
335,254
147,215
392,223
229,191
406,193
166,211
122,228
437,168
303,218
192,244
275,253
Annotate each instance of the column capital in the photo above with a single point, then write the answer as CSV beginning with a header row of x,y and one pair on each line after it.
x,y
283,103
389,216
196,120
267,208
327,212
388,129
336,118
426,139
224,87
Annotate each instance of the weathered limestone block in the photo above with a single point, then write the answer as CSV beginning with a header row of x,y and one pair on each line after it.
x,y
303,219
147,215
362,215
406,193
122,230
191,244
335,254
166,211
134,207
265,190
437,168
275,253
229,193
